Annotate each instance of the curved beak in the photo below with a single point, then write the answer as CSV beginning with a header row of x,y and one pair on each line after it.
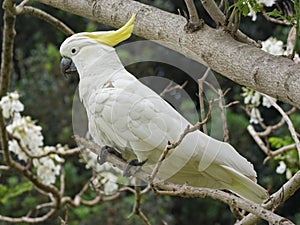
x,y
67,66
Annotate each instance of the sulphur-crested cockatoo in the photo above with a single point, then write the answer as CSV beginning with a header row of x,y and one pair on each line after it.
x,y
125,114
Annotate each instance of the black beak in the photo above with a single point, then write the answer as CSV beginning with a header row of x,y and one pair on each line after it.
x,y
67,67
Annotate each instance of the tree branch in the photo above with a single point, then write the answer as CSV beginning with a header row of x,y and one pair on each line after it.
x,y
279,197
245,64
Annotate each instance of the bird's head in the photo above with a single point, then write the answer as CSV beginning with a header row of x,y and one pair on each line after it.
x,y
74,45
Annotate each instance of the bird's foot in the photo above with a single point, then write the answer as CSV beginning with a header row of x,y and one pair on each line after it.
x,y
104,151
133,164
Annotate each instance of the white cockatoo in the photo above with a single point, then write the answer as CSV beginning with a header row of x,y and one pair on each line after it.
x,y
126,115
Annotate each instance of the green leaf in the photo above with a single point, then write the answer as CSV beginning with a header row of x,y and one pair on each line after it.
x,y
8,192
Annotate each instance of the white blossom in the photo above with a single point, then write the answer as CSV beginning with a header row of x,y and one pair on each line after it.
x,y
11,104
255,116
252,13
28,136
46,169
110,183
27,132
266,101
281,168
273,46
255,100
15,148
267,3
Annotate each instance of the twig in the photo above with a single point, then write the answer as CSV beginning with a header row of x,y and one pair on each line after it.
x,y
25,219
194,23
170,88
258,140
173,145
137,206
288,121
273,20
223,117
2,167
214,11
201,98
46,17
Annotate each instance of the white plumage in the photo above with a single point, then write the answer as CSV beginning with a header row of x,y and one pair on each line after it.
x,y
127,115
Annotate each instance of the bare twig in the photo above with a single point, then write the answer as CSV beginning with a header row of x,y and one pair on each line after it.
x,y
173,145
201,98
170,88
214,11
137,206
288,122
258,140
2,167
273,20
194,23
46,17
223,117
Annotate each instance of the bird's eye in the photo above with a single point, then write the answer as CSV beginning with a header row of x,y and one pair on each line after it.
x,y
74,50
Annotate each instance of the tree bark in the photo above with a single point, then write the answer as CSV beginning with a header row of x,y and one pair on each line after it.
x,y
245,64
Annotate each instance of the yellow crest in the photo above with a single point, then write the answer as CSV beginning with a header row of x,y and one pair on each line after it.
x,y
114,37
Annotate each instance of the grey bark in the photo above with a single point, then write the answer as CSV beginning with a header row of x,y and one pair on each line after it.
x,y
245,64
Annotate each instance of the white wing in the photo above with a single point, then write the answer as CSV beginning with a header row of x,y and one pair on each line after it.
x,y
137,121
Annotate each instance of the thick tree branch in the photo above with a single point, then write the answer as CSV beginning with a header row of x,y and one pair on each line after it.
x,y
245,64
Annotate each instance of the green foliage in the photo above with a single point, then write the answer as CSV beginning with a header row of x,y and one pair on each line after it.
x,y
13,189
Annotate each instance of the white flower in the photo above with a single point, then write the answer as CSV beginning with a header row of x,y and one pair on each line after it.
x,y
247,94
266,101
267,3
27,132
252,13
255,116
10,104
296,58
15,148
273,46
110,183
281,167
255,100
46,170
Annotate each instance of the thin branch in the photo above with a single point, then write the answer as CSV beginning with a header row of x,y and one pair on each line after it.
x,y
276,199
137,206
214,11
170,88
2,167
46,17
223,117
258,140
288,121
173,145
273,20
25,219
9,34
201,98
194,23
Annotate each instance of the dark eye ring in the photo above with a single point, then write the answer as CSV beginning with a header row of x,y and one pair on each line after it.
x,y
73,50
